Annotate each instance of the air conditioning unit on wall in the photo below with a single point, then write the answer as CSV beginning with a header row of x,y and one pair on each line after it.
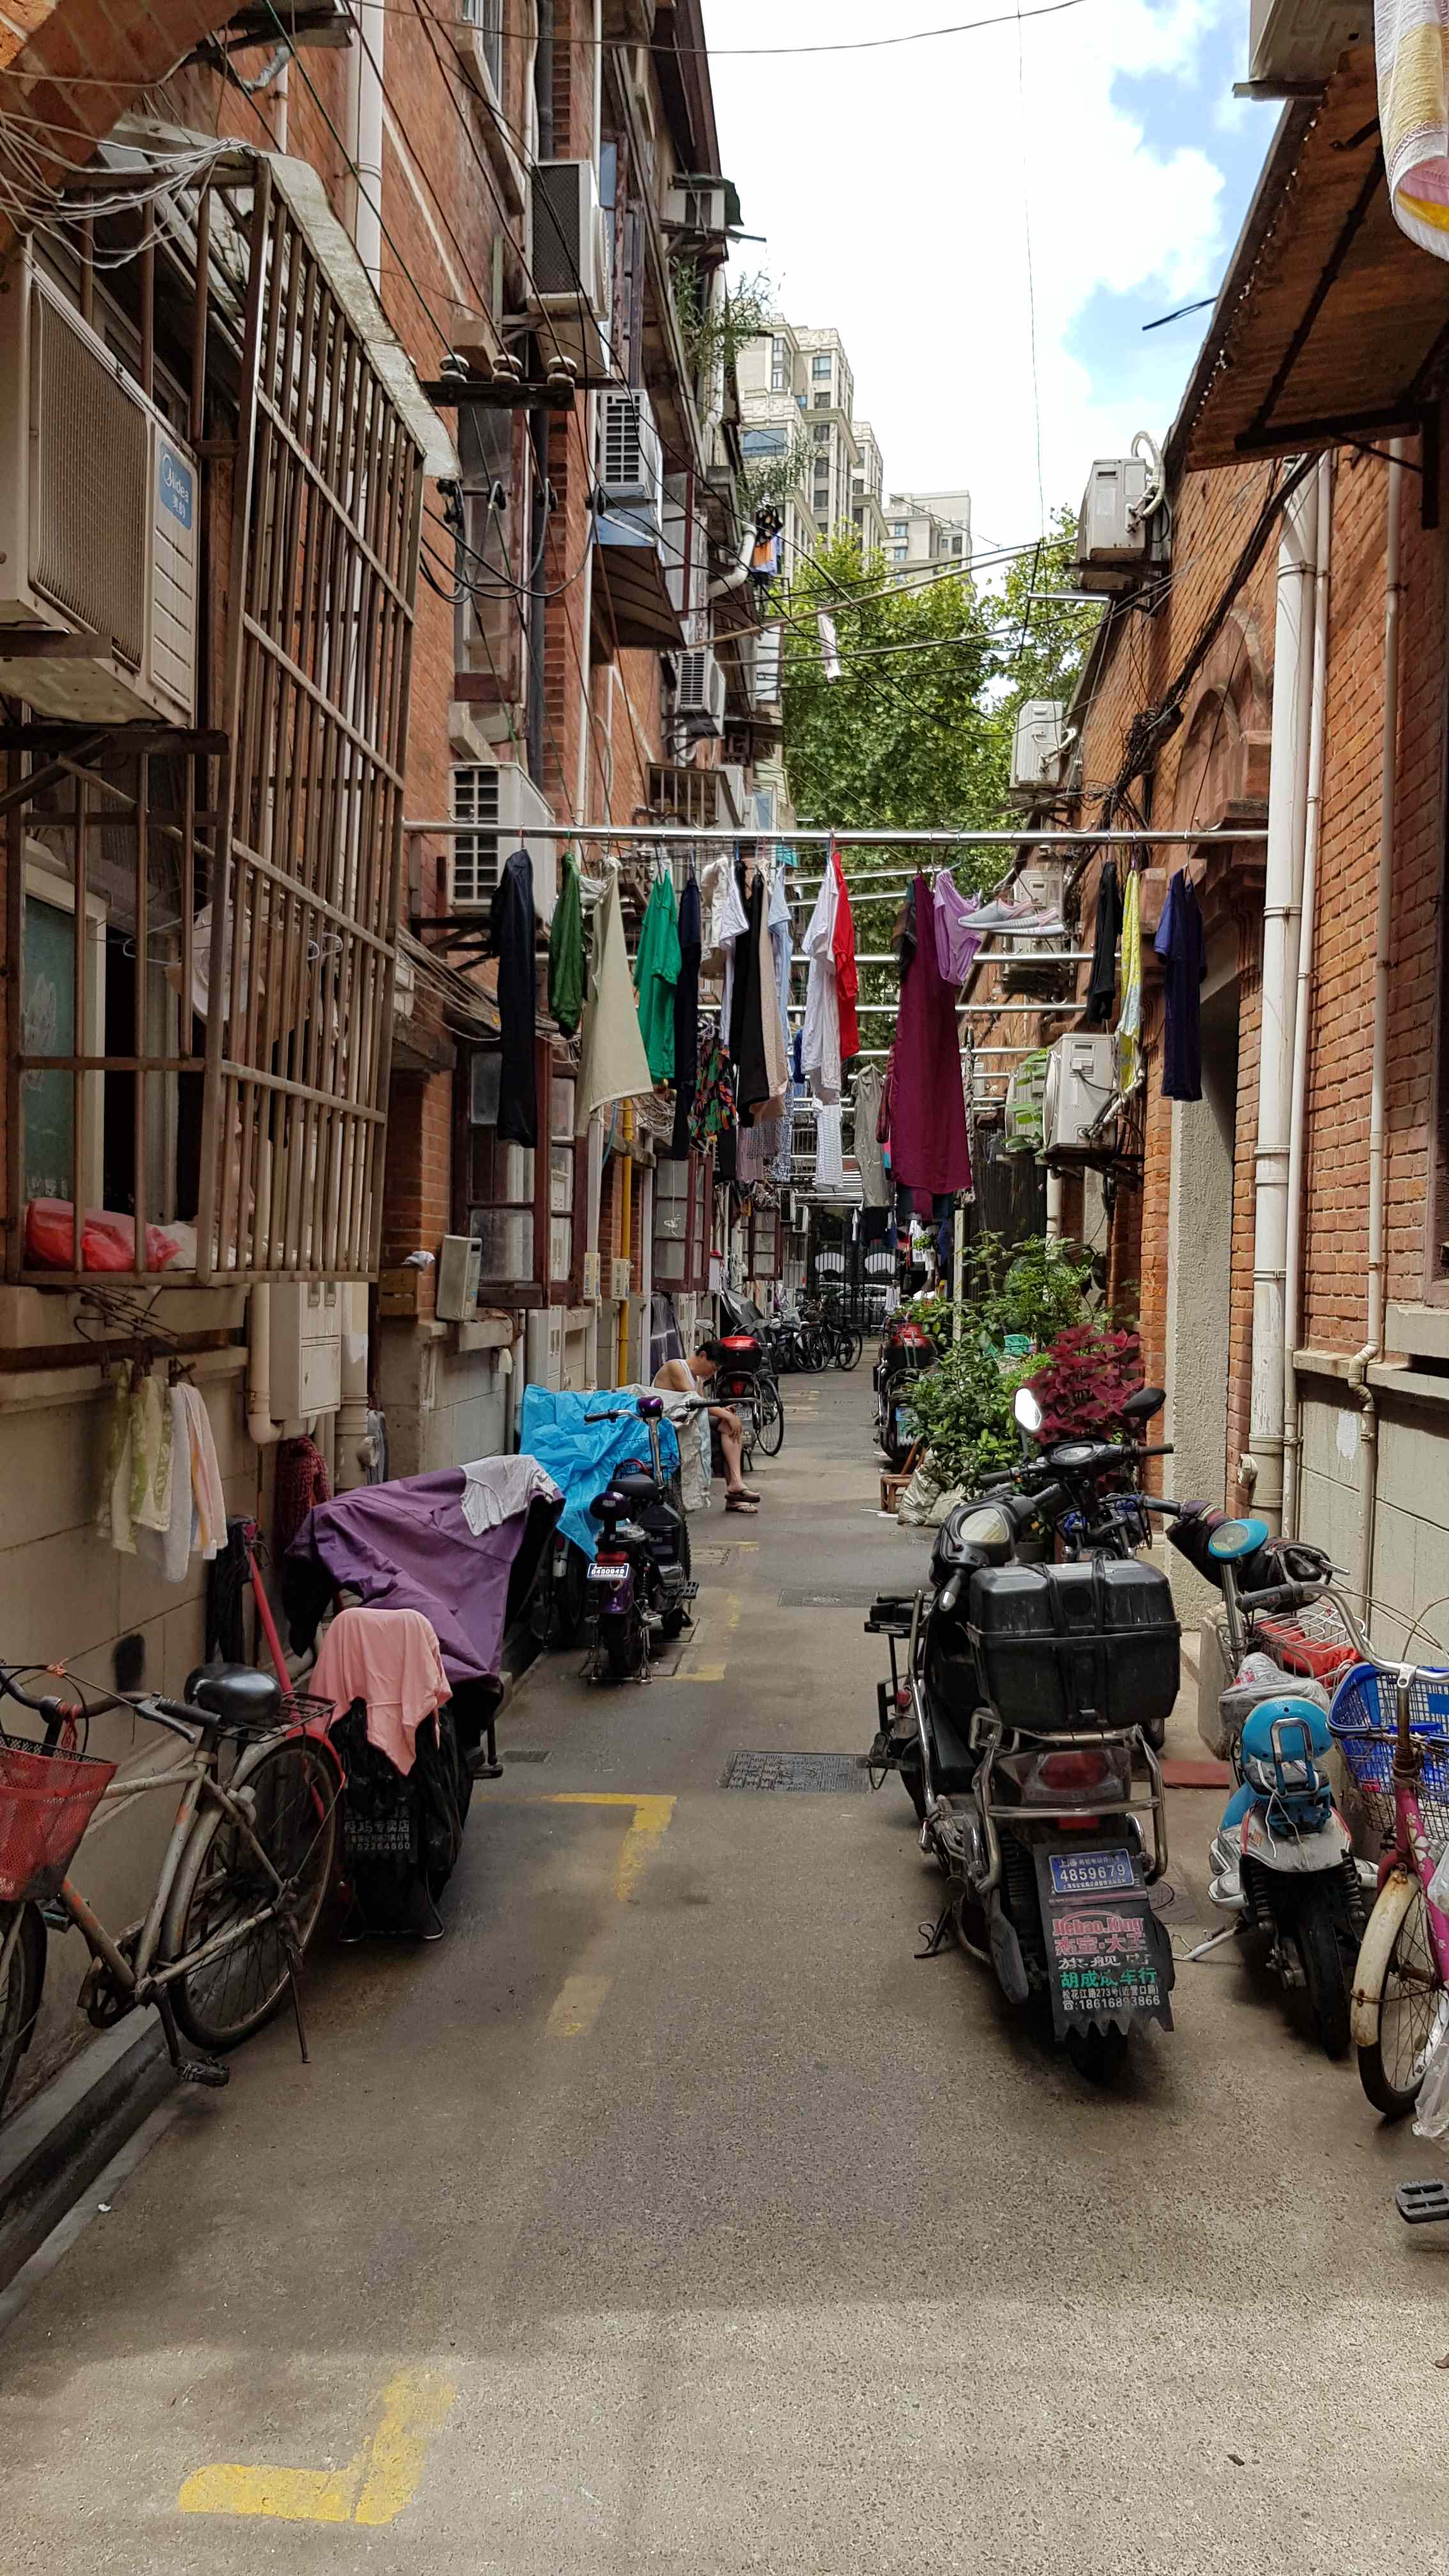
x,y
1080,1083
1115,548
701,691
501,799
1036,749
631,462
99,521
1291,41
568,261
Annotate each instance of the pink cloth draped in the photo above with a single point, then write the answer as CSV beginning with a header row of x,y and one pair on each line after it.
x,y
390,1659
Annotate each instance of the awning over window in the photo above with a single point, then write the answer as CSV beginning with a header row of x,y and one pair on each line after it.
x,y
1330,323
637,608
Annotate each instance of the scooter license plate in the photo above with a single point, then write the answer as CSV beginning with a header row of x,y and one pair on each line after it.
x,y
607,1573
1094,1873
907,1424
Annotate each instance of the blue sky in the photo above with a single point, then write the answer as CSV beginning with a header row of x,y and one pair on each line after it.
x,y
898,189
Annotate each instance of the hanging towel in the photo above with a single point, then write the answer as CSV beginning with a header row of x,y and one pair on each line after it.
x,y
875,1188
686,1020
1183,949
615,1066
847,982
656,973
929,1150
820,1047
1411,45
176,1546
150,1458
495,1488
829,1164
113,1504
566,951
389,1659
1129,1026
510,940
958,933
1102,982
207,1491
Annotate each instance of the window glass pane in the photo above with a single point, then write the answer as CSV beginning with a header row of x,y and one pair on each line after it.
x,y
506,1235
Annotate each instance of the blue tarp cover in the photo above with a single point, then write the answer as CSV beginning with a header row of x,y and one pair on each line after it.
x,y
581,1456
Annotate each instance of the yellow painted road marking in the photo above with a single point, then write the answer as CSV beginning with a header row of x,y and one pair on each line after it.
x,y
645,1834
699,1673
378,2481
577,2007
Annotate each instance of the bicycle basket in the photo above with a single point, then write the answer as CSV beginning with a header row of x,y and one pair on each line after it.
x,y
46,1800
1363,1721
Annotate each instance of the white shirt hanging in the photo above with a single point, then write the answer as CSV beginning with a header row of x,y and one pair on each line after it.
x,y
820,1048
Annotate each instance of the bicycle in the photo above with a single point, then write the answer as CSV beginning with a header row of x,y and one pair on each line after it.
x,y
241,1884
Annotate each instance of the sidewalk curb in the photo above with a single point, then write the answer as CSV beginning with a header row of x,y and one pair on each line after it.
x,y
71,2129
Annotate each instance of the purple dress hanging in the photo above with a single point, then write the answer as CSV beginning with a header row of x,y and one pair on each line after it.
x,y
928,1107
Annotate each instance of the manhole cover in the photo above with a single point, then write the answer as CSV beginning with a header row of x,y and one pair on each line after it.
x,y
524,1753
818,1771
855,1596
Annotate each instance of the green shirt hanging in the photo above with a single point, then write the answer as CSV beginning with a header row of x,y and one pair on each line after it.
x,y
566,952
656,972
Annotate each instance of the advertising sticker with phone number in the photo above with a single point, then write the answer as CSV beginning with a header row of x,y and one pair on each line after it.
x,y
1104,1956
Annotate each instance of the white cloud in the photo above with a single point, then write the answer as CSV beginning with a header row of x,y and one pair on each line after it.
x,y
893,187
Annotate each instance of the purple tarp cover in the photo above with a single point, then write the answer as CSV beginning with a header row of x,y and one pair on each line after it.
x,y
406,1546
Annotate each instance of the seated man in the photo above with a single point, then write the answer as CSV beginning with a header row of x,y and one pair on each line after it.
x,y
692,1377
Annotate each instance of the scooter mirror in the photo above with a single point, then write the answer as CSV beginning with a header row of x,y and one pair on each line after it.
x,y
1026,1410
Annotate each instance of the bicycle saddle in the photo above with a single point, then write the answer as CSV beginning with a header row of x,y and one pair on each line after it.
x,y
236,1697
636,1487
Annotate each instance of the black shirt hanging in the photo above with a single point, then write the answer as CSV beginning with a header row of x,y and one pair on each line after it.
x,y
510,940
747,1020
1102,982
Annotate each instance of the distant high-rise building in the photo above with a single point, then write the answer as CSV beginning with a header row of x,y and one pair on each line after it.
x,y
928,528
797,403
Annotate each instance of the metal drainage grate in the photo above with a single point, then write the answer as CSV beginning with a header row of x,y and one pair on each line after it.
x,y
855,1596
818,1771
524,1753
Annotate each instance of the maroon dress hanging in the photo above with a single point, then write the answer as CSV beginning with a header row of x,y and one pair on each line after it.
x,y
928,1108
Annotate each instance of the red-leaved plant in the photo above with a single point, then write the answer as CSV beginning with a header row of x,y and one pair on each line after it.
x,y
1087,1375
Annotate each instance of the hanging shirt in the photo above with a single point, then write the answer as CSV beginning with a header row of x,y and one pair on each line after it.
x,y
820,1048
656,973
1183,949
777,1041
929,1150
510,940
686,1020
958,934
614,1066
847,982
713,1114
869,1088
747,1011
566,952
1102,982
829,1163
1129,1026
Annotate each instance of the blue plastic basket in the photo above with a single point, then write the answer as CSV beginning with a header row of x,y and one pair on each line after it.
x,y
1364,1722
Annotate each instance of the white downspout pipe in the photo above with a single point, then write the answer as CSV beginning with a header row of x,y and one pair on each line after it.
x,y
353,1450
1303,1004
1368,1428
591,444
1053,1205
1282,896
262,1431
364,132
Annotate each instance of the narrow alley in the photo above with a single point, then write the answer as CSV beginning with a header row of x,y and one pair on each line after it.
x,y
670,2214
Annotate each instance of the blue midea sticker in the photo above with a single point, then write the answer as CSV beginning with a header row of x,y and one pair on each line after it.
x,y
175,482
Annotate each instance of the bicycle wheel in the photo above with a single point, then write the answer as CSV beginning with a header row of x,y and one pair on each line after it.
x,y
1326,1974
1410,2009
769,1418
819,1347
849,1343
20,1994
293,1790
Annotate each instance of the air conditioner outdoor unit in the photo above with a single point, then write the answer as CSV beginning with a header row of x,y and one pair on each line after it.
x,y
501,799
568,261
1292,41
631,460
1036,749
543,1346
1080,1082
1025,1094
732,780
702,690
99,522
697,206
1114,548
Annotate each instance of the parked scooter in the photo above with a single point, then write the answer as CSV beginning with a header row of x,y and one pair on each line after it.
x,y
639,1584
907,1353
1101,1509
1283,1863
1029,1698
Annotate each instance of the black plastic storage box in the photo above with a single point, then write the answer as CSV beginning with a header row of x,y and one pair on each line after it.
x,y
1065,1646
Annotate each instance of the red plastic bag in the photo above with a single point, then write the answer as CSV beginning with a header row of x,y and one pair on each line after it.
x,y
108,1238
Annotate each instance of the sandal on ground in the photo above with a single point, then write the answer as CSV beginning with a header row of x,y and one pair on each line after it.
x,y
740,1503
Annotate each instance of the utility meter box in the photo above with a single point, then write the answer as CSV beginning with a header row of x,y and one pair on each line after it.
x,y
460,1269
306,1355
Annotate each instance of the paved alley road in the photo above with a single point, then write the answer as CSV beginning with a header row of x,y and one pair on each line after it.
x,y
670,2216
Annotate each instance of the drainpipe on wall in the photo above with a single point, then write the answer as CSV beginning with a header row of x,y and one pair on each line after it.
x,y
1053,1205
591,440
262,1431
1303,1003
1373,1349
1262,1470
353,1451
364,133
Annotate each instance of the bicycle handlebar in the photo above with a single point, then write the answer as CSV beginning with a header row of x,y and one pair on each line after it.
x,y
175,1715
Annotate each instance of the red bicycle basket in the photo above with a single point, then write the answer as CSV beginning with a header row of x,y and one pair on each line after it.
x,y
46,1801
